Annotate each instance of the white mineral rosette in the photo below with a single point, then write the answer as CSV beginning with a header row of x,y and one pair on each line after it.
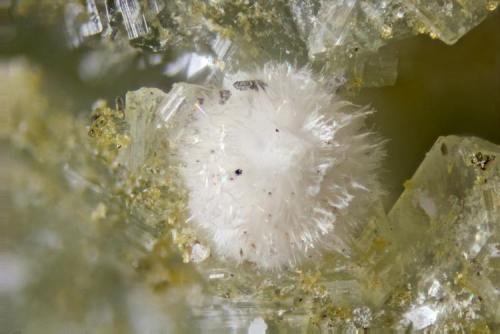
x,y
277,168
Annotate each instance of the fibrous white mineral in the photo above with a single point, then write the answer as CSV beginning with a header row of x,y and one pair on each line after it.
x,y
277,167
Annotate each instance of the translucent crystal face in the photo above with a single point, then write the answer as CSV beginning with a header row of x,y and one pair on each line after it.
x,y
273,165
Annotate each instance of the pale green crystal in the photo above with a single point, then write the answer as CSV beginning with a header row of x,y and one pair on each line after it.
x,y
444,233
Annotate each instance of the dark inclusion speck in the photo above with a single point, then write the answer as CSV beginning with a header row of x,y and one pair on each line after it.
x,y
224,95
238,171
250,85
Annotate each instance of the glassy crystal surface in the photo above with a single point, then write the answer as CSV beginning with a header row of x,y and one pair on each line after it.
x,y
443,233
451,19
371,24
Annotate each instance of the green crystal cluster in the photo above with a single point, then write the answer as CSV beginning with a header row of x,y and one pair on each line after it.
x,y
341,38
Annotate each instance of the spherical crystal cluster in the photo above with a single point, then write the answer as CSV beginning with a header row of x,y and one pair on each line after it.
x,y
278,168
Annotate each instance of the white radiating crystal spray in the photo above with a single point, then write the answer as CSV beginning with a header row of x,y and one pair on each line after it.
x,y
277,167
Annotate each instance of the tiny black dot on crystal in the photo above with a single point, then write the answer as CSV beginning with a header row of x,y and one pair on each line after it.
x,y
277,130
269,193
238,171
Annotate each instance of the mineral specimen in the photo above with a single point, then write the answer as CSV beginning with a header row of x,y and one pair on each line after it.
x,y
103,214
